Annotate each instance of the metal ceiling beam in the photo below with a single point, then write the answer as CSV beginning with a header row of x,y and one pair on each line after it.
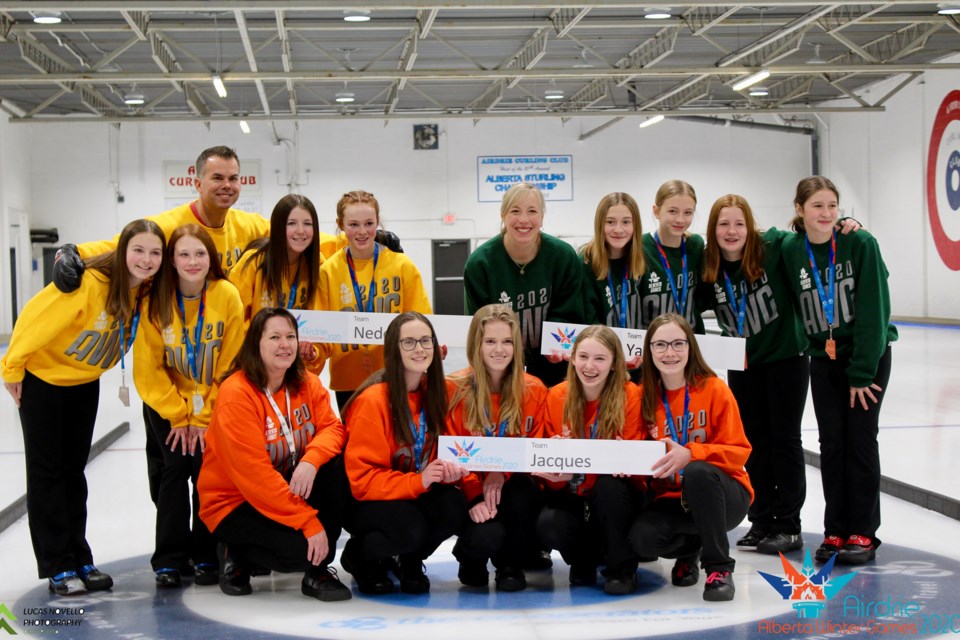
x,y
251,58
293,5
776,35
465,75
286,58
455,114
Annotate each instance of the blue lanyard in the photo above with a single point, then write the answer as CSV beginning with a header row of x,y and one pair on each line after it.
x,y
193,348
501,429
741,311
680,302
622,315
684,435
293,288
826,297
134,324
372,291
419,436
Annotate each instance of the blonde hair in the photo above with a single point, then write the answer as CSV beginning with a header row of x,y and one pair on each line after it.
x,y
595,252
672,188
613,396
515,193
474,386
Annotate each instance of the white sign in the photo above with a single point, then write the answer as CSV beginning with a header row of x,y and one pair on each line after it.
x,y
346,327
553,175
178,177
720,352
552,455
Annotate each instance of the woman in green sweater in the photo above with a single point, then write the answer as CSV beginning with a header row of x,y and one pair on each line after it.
x,y
535,274
839,285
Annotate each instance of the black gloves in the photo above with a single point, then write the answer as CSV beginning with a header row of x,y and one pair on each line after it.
x,y
390,240
67,268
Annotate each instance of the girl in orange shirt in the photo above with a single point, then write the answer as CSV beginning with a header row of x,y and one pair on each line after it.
x,y
700,488
493,397
406,502
584,514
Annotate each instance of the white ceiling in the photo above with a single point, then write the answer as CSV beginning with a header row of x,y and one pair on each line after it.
x,y
289,59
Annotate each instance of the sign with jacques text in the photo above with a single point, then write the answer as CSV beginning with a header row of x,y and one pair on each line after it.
x,y
553,175
552,455
720,352
347,327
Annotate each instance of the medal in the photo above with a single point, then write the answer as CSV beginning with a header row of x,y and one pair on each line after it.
x,y
125,395
197,403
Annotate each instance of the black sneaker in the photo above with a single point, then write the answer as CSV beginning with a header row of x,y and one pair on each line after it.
x,y
67,583
167,578
780,543
620,582
371,579
583,575
234,579
473,573
413,575
685,572
829,546
206,574
94,579
750,541
858,550
510,579
323,584
719,587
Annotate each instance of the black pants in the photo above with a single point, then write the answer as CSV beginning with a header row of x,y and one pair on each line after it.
x,y
412,528
771,398
154,457
591,530
849,452
254,538
180,534
716,503
57,427
509,537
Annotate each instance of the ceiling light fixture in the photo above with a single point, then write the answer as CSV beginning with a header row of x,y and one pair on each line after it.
x,y
816,59
759,90
657,13
219,86
344,97
244,126
751,80
651,121
356,15
553,93
134,97
46,16
948,8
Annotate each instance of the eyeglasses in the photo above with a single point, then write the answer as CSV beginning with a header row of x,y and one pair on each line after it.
x,y
660,346
409,344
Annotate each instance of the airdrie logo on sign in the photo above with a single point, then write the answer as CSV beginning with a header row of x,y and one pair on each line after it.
x,y
809,591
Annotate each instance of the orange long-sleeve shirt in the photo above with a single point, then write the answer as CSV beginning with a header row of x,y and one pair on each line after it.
x,y
531,419
247,459
554,426
715,435
379,467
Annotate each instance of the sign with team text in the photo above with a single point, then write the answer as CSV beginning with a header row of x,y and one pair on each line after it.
x,y
347,327
552,455
720,352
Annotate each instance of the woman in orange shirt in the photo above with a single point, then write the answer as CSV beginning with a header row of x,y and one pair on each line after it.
x,y
406,501
493,397
272,488
583,515
700,487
